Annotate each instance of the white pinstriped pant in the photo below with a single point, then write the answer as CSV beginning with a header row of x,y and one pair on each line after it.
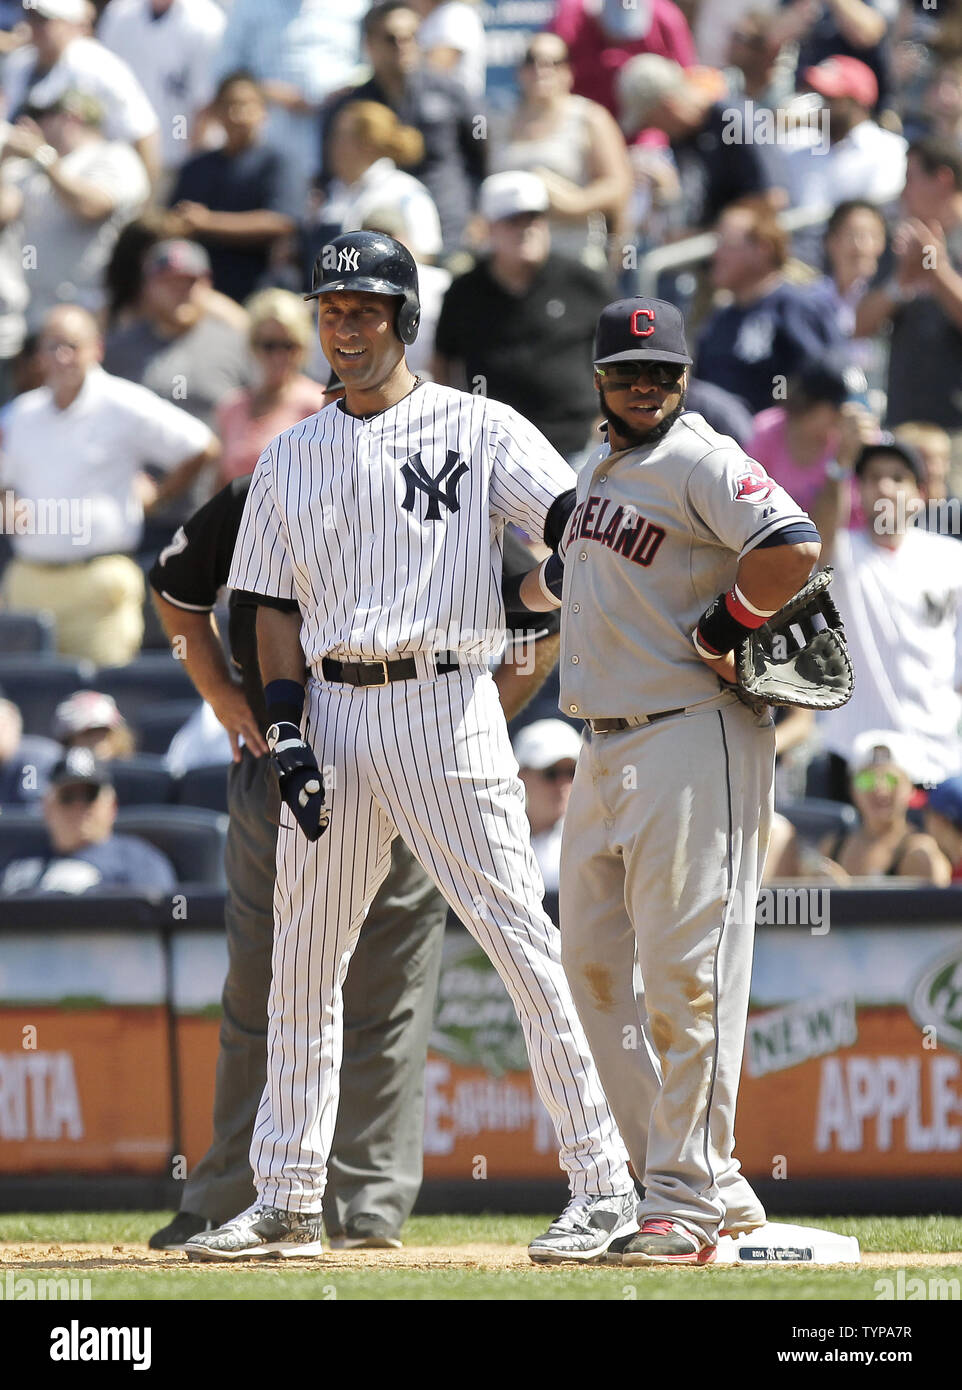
x,y
432,760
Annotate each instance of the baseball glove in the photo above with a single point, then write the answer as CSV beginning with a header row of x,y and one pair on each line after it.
x,y
799,656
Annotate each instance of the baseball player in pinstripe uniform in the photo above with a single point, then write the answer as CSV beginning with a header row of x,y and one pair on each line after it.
x,y
382,517
667,826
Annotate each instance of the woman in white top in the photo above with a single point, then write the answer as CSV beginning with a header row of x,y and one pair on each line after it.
x,y
367,144
451,39
574,145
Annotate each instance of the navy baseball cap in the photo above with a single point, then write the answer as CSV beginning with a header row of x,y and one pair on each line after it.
x,y
641,330
946,799
78,765
888,444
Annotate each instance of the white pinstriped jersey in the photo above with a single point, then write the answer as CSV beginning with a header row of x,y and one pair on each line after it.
x,y
656,534
387,530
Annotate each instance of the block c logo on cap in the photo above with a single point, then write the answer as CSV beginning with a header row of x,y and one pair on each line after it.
x,y
637,314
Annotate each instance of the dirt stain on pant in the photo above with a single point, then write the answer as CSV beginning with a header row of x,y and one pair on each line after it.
x,y
601,986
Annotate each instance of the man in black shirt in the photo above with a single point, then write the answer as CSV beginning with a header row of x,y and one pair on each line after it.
x,y
376,1164
520,326
454,145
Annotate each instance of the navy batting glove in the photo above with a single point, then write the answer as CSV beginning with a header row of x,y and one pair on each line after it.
x,y
299,776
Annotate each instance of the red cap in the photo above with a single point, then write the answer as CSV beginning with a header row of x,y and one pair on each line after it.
x,y
840,76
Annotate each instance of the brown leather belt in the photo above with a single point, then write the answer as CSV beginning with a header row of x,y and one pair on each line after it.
x,y
371,673
636,721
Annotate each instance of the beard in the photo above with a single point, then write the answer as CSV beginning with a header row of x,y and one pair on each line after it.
x,y
631,433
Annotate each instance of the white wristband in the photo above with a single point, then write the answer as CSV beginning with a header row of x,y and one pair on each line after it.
x,y
45,155
552,598
758,612
702,651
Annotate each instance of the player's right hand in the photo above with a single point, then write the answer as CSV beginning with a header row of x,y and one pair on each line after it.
x,y
301,784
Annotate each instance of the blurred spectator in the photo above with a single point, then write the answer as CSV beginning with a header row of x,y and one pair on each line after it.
x,y
25,760
817,430
300,51
84,855
201,741
714,170
175,345
855,240
861,159
943,821
602,35
753,345
73,459
899,591
169,46
715,23
228,199
452,40
547,753
942,104
14,294
71,190
723,411
91,719
281,333
61,57
923,299
853,28
751,64
884,844
366,144
520,326
453,164
575,146
934,447
433,284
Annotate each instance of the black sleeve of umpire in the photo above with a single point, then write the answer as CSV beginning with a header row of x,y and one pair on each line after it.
x,y
195,564
558,516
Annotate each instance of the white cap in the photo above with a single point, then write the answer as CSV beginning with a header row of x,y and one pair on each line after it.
x,y
73,10
546,742
84,710
888,746
511,193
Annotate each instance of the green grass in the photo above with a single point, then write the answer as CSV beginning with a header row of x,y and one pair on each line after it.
x,y
908,1235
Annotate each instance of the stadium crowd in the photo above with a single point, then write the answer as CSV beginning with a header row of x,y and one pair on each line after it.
x,y
789,172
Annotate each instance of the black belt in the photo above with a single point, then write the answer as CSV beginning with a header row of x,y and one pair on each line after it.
x,y
637,721
377,672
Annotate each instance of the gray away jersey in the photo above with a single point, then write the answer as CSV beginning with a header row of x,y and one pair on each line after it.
x,y
387,531
657,533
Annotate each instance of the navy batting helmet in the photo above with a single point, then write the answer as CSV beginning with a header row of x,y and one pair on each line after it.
x,y
373,263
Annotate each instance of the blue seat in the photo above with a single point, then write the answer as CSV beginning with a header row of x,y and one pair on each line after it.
x,y
203,786
152,678
193,840
142,781
37,683
812,817
27,632
156,724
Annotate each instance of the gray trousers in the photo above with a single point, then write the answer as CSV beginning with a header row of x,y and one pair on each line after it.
x,y
376,1163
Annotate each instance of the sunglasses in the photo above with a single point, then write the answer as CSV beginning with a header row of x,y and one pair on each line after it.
x,y
530,60
557,774
869,781
82,795
275,345
627,373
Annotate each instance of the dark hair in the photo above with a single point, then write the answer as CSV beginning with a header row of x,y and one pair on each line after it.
x,y
124,275
817,383
935,153
380,11
896,448
849,206
230,78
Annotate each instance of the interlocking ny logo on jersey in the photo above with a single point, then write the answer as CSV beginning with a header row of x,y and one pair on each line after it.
x,y
418,479
347,258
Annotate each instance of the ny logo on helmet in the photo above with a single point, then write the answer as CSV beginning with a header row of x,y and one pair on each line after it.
x,y
347,257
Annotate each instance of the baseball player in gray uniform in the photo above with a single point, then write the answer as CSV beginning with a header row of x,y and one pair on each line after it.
x,y
667,827
382,517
